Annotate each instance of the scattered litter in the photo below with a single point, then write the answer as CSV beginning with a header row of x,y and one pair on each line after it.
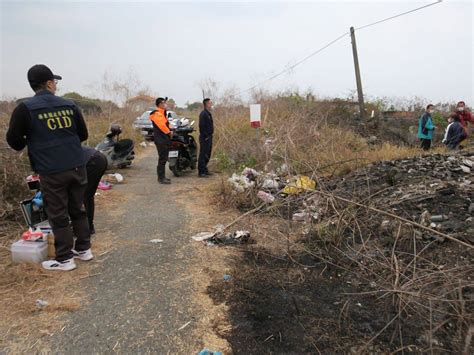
x,y
302,184
156,241
227,277
283,169
265,197
237,237
214,238
468,163
209,352
200,237
117,178
425,218
439,218
185,325
465,169
104,186
270,184
143,144
250,173
240,183
302,217
41,304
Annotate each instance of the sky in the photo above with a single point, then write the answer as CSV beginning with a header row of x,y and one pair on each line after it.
x,y
172,47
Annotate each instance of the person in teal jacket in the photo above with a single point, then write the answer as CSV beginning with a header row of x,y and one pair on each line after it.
x,y
426,128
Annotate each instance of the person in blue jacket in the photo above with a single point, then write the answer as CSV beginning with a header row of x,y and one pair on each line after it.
x,y
426,128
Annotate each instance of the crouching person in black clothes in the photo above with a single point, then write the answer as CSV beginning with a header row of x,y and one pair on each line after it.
x,y
53,129
96,167
455,132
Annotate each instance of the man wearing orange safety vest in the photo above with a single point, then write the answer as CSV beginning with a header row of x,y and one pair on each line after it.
x,y
162,137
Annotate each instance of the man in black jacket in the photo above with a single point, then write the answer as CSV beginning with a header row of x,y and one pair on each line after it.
x,y
53,129
206,131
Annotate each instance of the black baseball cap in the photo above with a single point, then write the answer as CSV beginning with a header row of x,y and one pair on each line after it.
x,y
40,73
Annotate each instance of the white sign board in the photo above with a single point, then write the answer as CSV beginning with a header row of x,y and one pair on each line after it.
x,y
255,115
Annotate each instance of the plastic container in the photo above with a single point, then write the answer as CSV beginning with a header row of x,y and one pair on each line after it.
x,y
29,252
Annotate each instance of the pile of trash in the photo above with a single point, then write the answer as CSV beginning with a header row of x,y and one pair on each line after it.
x,y
436,191
272,188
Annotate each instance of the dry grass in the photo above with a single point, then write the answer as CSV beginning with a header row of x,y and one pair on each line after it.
x,y
411,282
23,325
304,136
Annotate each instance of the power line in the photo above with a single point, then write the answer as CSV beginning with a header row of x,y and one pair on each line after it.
x,y
299,62
334,41
399,15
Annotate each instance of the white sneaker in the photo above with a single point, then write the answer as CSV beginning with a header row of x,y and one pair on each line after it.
x,y
85,255
66,265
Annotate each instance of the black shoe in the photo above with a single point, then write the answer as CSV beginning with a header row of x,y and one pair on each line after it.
x,y
208,173
164,181
203,176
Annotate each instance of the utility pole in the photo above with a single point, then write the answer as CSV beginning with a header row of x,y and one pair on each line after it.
x,y
360,94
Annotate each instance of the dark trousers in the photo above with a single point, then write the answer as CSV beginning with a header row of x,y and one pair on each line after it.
x,y
205,151
163,151
425,144
96,167
63,197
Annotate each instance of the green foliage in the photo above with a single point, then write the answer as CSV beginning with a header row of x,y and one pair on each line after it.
x,y
194,106
224,161
89,105
439,120
249,162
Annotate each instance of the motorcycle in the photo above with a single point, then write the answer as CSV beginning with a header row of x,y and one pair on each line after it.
x,y
119,152
183,150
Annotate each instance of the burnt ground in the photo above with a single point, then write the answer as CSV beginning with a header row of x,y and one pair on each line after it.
x,y
357,281
304,312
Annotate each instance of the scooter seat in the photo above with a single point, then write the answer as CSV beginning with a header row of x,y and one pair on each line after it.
x,y
123,145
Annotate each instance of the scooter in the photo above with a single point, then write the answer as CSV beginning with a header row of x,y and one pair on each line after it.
x,y
183,150
119,152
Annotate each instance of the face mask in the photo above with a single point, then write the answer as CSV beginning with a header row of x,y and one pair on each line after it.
x,y
460,108
431,111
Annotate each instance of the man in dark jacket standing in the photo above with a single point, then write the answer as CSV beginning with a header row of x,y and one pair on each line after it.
x,y
206,131
53,129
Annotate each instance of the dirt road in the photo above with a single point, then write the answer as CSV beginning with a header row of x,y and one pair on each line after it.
x,y
140,299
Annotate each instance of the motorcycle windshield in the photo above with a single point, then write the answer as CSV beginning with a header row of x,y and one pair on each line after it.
x,y
106,143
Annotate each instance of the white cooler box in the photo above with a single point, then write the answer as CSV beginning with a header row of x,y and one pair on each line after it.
x,y
29,252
